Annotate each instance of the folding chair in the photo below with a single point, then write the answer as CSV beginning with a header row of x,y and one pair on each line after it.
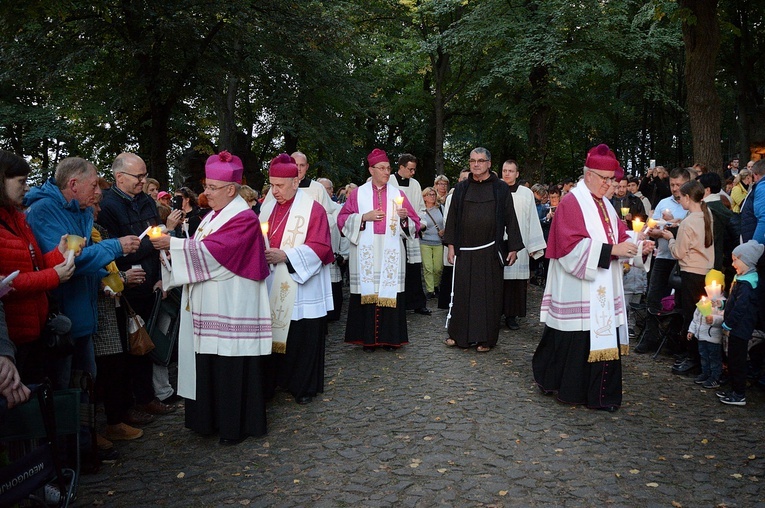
x,y
44,417
666,322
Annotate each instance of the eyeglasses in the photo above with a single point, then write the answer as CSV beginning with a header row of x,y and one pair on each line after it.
x,y
140,177
479,161
605,179
382,168
213,188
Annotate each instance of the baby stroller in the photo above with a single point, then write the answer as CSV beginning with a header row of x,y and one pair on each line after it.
x,y
40,420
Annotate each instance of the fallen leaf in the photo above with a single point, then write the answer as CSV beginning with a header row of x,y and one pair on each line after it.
x,y
618,475
652,484
558,450
704,441
442,470
751,457
686,456
564,436
662,457
634,471
719,420
244,502
110,493
236,474
427,397
452,401
502,492
676,504
295,481
710,457
736,475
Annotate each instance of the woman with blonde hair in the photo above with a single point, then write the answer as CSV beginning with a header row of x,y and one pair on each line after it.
x,y
740,189
431,247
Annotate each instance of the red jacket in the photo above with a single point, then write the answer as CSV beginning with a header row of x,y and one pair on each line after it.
x,y
26,308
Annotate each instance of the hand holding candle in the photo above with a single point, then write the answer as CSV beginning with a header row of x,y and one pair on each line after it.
x,y
705,306
74,245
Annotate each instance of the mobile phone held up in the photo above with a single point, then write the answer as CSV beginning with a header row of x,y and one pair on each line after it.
x,y
177,202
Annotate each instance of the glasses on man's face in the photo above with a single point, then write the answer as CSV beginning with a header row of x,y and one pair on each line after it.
x,y
479,161
140,177
212,188
382,168
604,179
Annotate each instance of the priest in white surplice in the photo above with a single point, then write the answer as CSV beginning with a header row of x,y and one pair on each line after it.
x,y
583,309
225,316
375,218
517,275
300,292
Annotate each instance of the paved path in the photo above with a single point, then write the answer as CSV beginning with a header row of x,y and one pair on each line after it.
x,y
428,425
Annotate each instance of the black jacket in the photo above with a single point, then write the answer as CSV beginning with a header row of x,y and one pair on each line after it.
x,y
122,215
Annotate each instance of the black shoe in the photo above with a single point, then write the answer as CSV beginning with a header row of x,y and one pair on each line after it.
x,y
610,409
645,347
389,348
108,456
369,349
512,323
430,295
306,399
423,310
686,368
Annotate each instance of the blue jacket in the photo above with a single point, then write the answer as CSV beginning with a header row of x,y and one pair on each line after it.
x,y
50,216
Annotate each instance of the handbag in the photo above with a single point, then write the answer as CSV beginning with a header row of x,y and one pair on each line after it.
x,y
164,324
675,281
56,335
139,341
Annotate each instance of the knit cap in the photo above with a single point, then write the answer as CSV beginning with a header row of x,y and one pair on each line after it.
x,y
749,253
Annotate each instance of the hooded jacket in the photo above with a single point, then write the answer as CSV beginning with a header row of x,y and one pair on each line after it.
x,y
50,216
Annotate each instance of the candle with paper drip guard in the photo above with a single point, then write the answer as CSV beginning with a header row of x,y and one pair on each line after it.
x,y
705,306
652,223
156,232
637,225
713,290
625,210
73,242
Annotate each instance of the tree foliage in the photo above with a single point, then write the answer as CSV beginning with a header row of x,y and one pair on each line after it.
x,y
540,82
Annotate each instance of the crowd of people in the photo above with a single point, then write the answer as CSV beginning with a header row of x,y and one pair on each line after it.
x,y
260,277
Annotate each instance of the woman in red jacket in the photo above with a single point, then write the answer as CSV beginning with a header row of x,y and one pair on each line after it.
x,y
26,307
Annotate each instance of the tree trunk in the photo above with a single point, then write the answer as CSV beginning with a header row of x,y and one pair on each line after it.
x,y
701,35
539,120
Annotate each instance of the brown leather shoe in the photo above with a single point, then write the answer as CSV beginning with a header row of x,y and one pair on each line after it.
x,y
137,417
122,432
155,407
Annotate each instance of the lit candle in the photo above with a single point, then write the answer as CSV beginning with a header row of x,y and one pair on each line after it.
x,y
652,223
73,243
637,225
625,211
145,232
399,200
155,232
713,290
114,282
704,306
264,229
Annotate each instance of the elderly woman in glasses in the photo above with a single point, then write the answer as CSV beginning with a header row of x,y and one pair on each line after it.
x,y
431,247
441,185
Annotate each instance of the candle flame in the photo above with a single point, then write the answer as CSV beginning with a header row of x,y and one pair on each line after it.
x,y
264,227
399,200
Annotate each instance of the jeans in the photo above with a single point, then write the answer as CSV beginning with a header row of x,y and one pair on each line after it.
x,y
83,358
658,288
711,360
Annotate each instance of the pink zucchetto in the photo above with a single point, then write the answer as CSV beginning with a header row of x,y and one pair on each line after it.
x,y
283,166
602,158
376,157
224,167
